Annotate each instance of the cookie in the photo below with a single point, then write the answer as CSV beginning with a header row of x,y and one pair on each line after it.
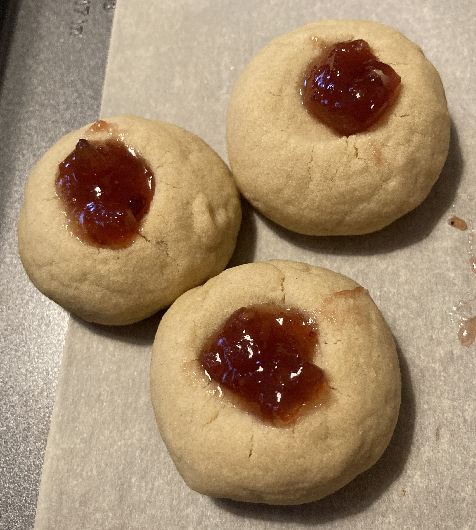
x,y
186,235
221,448
305,176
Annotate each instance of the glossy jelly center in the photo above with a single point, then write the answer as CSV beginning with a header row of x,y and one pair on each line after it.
x,y
350,89
264,355
107,190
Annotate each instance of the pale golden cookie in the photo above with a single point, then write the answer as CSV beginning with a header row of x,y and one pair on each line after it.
x,y
306,177
187,236
222,451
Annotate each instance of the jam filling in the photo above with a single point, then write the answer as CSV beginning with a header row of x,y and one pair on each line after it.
x,y
264,354
106,189
350,89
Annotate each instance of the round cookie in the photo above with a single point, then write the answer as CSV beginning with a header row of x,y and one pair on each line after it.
x,y
222,451
308,178
187,236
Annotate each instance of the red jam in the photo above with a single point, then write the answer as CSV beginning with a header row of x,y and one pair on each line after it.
x,y
350,89
264,355
107,190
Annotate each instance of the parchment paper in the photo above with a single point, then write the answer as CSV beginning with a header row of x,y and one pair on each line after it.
x,y
105,465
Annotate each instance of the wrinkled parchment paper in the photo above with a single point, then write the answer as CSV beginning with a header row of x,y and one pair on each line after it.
x,y
106,466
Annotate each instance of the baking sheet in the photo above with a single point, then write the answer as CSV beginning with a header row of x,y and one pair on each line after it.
x,y
52,66
105,464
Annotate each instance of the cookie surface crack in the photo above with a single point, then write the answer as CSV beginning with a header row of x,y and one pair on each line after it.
x,y
282,280
213,418
144,237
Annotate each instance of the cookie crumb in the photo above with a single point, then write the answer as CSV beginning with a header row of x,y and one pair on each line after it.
x,y
458,223
403,492
472,262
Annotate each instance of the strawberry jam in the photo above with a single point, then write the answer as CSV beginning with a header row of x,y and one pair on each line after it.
x,y
350,89
264,355
106,190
